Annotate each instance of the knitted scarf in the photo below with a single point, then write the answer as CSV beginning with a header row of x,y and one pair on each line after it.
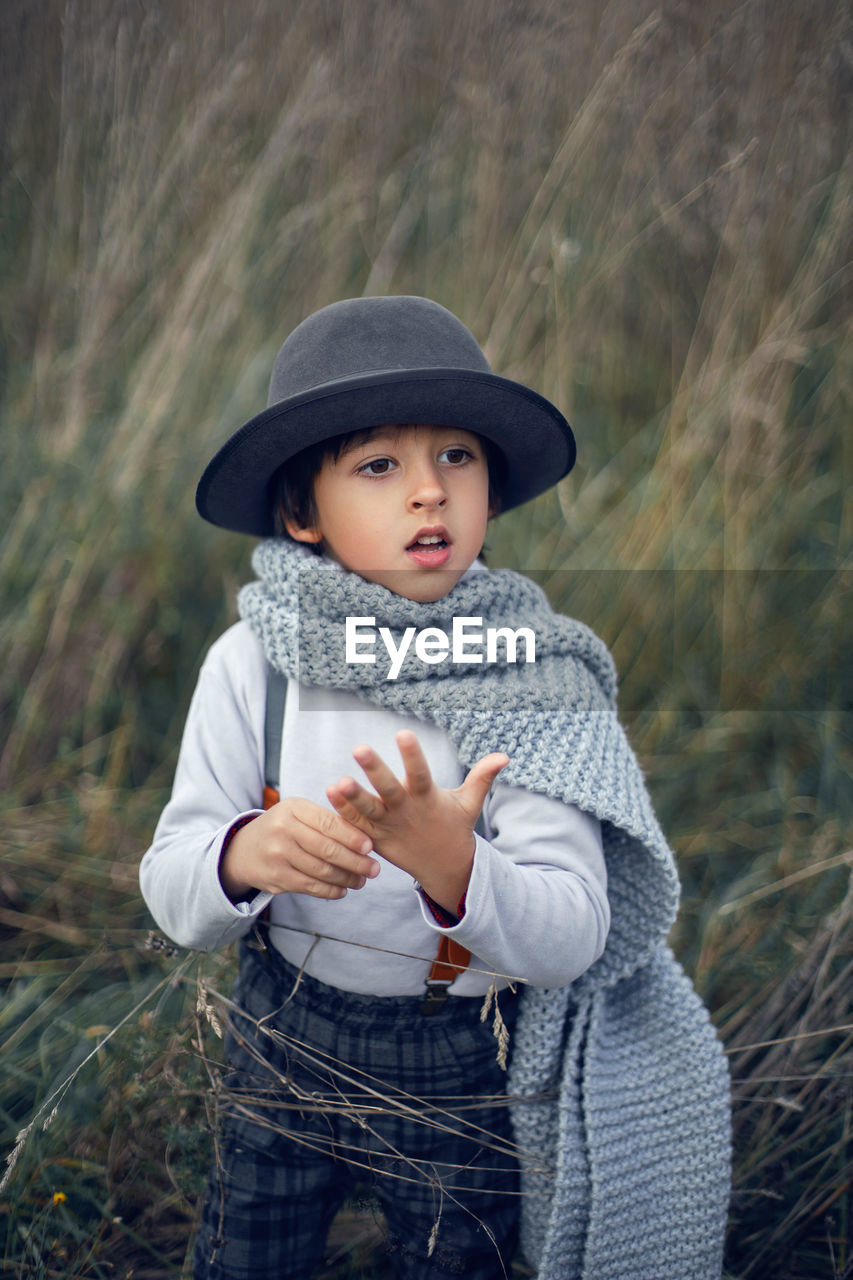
x,y
635,1129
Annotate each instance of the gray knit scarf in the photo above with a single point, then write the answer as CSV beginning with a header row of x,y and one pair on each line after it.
x,y
637,1127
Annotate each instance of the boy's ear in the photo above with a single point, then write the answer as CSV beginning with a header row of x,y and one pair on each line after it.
x,y
300,533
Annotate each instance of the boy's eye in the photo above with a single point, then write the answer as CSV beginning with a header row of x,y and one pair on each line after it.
x,y
455,455
376,467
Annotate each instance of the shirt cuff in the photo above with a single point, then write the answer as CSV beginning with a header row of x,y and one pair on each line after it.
x,y
440,914
246,906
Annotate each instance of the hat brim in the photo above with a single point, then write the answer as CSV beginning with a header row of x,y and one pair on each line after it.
x,y
536,440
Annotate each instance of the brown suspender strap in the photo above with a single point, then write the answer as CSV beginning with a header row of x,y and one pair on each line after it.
x,y
276,698
451,960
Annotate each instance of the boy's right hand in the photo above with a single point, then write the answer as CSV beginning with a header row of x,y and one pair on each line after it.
x,y
297,846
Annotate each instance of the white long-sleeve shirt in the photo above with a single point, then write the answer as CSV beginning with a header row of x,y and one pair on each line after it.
x,y
536,906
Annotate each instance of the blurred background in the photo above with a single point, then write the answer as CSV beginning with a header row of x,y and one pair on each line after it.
x,y
643,212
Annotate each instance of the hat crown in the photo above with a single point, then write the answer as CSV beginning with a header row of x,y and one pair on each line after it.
x,y
362,336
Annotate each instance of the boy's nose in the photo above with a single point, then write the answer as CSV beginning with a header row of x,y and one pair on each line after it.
x,y
427,491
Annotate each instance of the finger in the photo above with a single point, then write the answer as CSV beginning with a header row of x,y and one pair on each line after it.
x,y
326,850
355,804
317,875
418,776
330,824
479,779
385,783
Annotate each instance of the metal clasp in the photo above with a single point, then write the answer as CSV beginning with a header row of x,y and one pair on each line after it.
x,y
436,998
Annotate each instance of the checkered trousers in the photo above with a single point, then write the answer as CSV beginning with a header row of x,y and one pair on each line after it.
x,y
329,1091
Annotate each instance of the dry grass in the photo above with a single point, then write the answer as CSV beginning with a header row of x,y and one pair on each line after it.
x,y
643,213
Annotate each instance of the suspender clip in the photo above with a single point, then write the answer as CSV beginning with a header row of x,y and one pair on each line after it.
x,y
436,998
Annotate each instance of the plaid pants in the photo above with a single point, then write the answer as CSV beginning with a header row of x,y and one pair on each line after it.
x,y
329,1090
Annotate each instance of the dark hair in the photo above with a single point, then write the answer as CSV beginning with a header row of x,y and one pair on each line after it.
x,y
292,486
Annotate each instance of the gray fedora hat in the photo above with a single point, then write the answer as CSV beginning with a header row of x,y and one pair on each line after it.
x,y
369,362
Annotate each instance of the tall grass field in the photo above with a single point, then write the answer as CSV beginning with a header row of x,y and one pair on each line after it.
x,y
643,212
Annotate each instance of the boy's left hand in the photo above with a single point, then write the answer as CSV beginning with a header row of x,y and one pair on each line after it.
x,y
415,824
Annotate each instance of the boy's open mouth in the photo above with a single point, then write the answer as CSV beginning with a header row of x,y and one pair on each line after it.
x,y
431,546
429,542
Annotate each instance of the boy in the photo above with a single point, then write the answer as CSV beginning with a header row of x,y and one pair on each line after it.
x,y
494,864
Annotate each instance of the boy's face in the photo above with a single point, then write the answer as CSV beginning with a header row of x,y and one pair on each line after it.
x,y
406,508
